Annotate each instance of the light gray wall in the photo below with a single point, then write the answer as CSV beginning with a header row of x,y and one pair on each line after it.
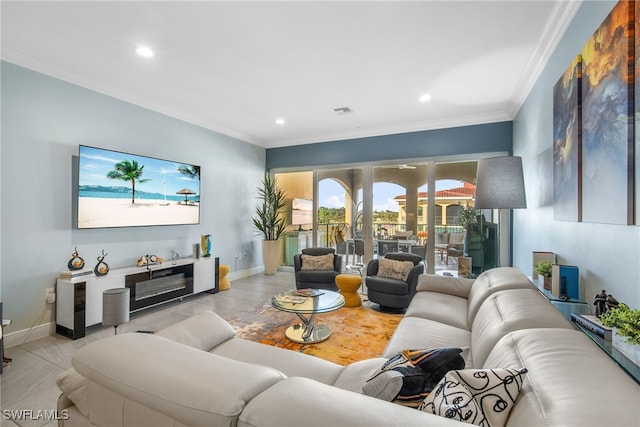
x,y
43,122
608,255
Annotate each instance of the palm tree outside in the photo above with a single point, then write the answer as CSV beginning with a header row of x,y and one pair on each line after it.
x,y
128,171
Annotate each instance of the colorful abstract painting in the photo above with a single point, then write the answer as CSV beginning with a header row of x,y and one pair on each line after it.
x,y
637,107
607,121
567,129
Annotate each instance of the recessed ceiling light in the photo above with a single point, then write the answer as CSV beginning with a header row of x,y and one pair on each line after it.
x,y
425,98
279,121
144,51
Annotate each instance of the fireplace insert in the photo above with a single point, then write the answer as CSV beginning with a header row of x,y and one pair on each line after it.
x,y
153,287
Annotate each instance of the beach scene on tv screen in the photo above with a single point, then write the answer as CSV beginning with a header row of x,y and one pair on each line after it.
x,y
123,190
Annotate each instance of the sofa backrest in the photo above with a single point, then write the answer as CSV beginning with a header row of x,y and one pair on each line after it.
x,y
491,281
510,310
569,382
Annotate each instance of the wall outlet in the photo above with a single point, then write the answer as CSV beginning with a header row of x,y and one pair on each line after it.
x,y
50,295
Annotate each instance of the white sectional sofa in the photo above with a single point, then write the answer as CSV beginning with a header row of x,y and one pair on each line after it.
x,y
198,373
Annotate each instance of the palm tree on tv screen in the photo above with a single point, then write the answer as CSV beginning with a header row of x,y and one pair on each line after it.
x,y
128,171
190,171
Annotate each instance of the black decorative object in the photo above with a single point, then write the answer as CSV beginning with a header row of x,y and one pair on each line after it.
x,y
76,262
101,268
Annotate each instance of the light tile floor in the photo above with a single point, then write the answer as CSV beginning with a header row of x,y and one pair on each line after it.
x,y
29,383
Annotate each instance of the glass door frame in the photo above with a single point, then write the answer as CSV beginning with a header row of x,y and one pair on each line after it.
x,y
367,200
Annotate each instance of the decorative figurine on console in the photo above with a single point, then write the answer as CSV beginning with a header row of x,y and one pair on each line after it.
x,y
101,268
76,262
205,243
604,303
148,260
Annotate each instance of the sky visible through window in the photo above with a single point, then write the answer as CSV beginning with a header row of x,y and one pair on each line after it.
x,y
332,193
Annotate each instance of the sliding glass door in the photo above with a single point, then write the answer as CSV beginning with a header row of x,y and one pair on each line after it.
x,y
426,208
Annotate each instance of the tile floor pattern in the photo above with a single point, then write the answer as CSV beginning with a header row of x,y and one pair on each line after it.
x,y
30,382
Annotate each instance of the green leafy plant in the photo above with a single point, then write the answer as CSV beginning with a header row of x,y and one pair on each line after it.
x,y
467,215
269,219
544,268
626,320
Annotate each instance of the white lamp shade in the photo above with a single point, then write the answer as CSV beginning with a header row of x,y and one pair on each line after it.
x,y
115,306
500,184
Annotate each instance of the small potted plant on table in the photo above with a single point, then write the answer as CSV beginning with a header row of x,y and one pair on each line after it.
x,y
625,323
543,269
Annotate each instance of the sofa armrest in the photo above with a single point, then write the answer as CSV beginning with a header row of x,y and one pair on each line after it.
x,y
455,286
188,385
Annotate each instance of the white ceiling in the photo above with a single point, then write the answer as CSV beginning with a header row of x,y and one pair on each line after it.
x,y
236,66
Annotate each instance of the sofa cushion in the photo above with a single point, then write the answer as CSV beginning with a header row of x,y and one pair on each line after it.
x,y
409,376
203,331
291,363
442,238
569,383
439,307
393,269
354,375
456,286
483,397
456,238
413,332
317,262
299,401
508,311
491,281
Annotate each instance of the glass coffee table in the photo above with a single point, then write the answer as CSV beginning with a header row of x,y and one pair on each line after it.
x,y
306,308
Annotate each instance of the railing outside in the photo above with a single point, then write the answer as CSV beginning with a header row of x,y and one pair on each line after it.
x,y
328,233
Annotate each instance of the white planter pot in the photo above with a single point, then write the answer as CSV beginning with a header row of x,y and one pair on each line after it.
x,y
632,351
271,255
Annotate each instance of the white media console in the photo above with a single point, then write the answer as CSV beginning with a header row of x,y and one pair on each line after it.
x,y
79,300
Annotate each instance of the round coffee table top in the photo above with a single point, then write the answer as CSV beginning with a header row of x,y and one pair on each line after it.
x,y
324,302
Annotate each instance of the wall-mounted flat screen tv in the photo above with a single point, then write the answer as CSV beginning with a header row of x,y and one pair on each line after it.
x,y
117,189
301,211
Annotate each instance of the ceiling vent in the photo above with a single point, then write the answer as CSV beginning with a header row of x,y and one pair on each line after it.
x,y
342,110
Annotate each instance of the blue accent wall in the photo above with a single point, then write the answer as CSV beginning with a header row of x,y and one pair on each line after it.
x,y
486,138
606,254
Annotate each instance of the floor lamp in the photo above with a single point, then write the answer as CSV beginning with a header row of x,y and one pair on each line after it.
x,y
500,185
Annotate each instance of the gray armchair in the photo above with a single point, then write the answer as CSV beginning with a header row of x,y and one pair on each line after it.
x,y
317,279
393,293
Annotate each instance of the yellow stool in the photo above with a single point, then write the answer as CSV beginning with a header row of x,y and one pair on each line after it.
x,y
348,285
224,283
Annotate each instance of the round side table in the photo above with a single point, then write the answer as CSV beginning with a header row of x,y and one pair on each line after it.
x,y
349,285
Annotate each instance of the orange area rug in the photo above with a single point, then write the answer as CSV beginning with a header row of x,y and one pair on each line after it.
x,y
357,333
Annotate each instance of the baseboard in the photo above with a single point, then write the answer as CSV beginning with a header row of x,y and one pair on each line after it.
x,y
20,337
245,273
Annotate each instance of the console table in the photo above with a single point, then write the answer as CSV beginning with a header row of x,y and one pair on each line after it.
x,y
578,306
79,300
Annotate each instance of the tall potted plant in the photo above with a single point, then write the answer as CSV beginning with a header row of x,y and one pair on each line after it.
x,y
270,221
